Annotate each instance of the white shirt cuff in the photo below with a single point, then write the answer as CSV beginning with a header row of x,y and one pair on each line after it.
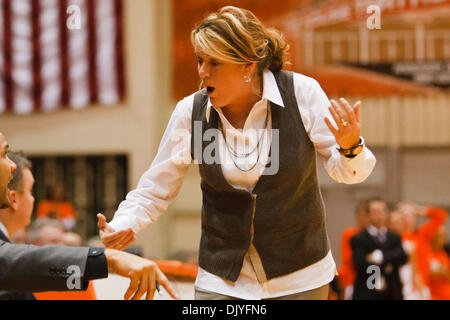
x,y
357,169
123,222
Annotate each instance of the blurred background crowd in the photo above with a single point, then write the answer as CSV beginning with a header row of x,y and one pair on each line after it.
x,y
89,105
413,253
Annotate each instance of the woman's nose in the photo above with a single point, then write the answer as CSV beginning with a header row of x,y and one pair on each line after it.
x,y
202,71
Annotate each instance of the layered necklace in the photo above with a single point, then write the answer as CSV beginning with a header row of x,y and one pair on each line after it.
x,y
235,154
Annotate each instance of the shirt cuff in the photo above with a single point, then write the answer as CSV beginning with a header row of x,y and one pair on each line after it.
x,y
96,266
122,222
359,167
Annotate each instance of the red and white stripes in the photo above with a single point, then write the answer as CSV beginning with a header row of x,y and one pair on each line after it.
x,y
45,66
22,57
106,31
78,60
50,56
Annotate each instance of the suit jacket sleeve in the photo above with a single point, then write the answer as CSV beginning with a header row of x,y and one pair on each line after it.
x,y
31,268
360,249
395,253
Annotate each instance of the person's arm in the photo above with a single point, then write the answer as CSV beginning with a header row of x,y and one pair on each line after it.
x,y
31,268
359,254
28,268
143,274
395,255
425,233
313,105
158,186
436,218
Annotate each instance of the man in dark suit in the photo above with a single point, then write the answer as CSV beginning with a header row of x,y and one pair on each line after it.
x,y
18,215
60,268
377,255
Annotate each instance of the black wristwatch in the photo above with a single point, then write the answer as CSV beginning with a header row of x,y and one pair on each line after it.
x,y
353,151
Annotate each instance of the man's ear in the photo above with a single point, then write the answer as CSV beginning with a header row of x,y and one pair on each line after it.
x,y
12,195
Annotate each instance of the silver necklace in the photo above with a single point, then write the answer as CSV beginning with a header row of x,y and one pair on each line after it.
x,y
245,155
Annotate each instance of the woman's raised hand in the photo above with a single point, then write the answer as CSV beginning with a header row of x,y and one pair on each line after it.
x,y
114,239
348,121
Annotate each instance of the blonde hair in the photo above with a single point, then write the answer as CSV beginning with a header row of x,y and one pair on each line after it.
x,y
235,35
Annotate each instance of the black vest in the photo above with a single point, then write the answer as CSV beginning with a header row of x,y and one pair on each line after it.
x,y
286,209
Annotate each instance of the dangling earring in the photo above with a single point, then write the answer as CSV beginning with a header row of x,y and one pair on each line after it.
x,y
247,79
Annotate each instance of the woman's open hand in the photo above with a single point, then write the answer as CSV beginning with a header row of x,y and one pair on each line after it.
x,y
114,239
348,121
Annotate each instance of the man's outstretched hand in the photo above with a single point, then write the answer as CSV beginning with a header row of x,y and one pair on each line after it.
x,y
143,274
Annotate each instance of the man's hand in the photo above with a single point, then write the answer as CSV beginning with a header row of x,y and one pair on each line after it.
x,y
375,257
114,239
142,272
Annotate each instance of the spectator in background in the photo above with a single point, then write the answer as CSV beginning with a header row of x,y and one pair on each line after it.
x,y
439,273
18,215
402,221
55,206
346,270
19,237
50,231
95,242
381,250
46,232
408,214
72,239
433,262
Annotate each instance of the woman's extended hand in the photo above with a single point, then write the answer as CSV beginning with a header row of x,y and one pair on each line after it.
x,y
114,239
348,121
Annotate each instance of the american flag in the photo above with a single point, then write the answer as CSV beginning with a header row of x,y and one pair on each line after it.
x,y
49,62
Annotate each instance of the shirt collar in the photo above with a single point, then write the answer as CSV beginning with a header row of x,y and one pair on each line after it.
x,y
376,232
4,230
271,92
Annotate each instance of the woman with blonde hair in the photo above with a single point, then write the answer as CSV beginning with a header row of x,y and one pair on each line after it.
x,y
254,131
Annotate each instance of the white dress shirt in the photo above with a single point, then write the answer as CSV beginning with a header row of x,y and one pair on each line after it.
x,y
160,184
380,234
4,230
